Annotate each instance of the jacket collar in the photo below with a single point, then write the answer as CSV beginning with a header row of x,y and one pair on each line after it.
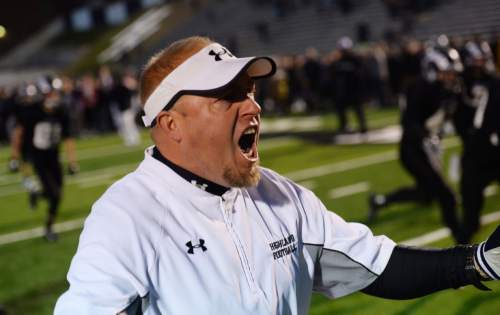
x,y
164,182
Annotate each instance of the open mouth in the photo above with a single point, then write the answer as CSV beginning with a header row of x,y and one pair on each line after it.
x,y
247,143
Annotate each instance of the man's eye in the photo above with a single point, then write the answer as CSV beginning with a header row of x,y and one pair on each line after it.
x,y
235,96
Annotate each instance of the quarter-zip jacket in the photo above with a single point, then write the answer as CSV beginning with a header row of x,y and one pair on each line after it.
x,y
257,250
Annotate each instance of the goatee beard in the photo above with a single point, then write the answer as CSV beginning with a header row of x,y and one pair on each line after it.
x,y
248,179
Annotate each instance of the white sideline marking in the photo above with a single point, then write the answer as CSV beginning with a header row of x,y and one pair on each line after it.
x,y
309,184
11,190
39,231
338,167
291,123
347,165
441,233
490,190
102,182
349,190
276,142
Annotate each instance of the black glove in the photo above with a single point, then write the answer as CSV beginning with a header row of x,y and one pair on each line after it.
x,y
487,255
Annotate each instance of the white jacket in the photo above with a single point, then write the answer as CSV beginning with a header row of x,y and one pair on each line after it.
x,y
259,250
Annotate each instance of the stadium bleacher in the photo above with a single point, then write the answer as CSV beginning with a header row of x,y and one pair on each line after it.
x,y
306,27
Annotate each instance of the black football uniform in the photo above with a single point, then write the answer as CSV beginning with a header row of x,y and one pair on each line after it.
x,y
43,131
477,121
347,86
419,154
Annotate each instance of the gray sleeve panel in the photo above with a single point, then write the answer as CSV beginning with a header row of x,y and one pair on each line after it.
x,y
336,274
137,307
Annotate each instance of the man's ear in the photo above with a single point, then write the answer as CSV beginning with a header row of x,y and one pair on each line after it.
x,y
167,122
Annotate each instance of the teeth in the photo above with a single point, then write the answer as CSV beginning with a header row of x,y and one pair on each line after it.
x,y
250,131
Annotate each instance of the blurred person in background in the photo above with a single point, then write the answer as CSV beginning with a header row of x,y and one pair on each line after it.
x,y
381,75
411,59
477,121
124,108
430,100
5,112
39,131
21,158
312,70
88,88
71,98
106,98
346,77
279,101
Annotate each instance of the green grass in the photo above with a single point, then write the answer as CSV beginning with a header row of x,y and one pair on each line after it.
x,y
32,272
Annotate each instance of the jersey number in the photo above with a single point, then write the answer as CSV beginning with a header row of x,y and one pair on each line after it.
x,y
46,135
480,99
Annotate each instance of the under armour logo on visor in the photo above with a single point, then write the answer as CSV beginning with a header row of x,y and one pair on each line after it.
x,y
220,52
191,247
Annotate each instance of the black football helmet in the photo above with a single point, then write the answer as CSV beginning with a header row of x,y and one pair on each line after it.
x,y
442,59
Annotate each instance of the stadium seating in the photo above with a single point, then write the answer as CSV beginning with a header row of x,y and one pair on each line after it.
x,y
307,27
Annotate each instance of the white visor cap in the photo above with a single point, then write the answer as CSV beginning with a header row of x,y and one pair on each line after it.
x,y
206,72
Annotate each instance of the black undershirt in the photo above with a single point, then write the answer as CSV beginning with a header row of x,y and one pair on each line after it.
x,y
414,272
194,179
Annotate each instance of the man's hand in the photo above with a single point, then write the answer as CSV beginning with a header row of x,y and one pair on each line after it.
x,y
487,256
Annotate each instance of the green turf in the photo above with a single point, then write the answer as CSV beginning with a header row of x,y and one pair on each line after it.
x,y
32,272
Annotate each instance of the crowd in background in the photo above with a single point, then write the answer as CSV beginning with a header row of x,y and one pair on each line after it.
x,y
96,103
349,75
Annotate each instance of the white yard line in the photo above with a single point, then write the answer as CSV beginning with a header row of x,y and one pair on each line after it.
x,y
348,165
39,231
272,143
442,233
101,182
84,178
291,123
309,184
348,190
338,167
490,190
13,190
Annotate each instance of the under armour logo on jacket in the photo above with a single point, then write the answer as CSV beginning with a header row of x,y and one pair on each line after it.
x,y
191,247
220,52
200,186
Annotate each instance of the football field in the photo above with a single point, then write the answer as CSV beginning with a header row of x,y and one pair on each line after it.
x,y
33,272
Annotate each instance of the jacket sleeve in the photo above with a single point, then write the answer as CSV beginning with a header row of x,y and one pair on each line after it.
x,y
348,257
109,270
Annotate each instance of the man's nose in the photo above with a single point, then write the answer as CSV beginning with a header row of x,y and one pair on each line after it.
x,y
250,107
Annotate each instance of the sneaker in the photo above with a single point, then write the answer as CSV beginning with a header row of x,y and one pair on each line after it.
x,y
373,208
51,236
33,199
